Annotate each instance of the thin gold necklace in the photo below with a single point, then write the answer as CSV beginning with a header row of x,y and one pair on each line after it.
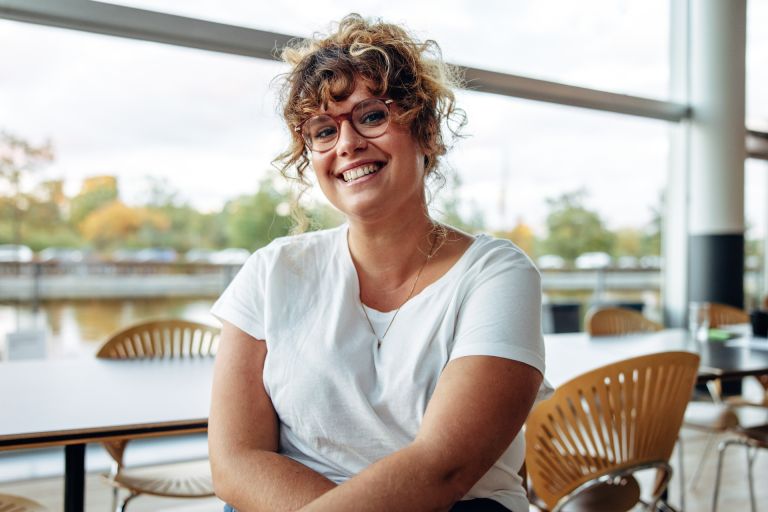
x,y
415,281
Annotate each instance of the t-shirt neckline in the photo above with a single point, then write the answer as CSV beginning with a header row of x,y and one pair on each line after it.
x,y
426,292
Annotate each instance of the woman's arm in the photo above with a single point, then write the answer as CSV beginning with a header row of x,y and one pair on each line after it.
x,y
243,434
478,407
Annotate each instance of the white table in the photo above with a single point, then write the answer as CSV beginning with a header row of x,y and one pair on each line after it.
x,y
569,355
72,403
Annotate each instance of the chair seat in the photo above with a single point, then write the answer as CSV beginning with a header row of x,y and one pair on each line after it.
x,y
710,417
10,503
607,497
758,434
190,480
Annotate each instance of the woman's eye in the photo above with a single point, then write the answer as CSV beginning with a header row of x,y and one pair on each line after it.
x,y
324,132
373,117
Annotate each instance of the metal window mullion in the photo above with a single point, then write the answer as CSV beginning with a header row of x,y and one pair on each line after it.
x,y
117,20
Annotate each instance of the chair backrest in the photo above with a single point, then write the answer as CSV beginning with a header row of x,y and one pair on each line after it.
x,y
723,314
621,416
618,321
162,339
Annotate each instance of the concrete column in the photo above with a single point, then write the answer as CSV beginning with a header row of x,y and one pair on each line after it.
x,y
717,152
674,243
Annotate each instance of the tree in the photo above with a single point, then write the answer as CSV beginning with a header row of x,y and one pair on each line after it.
x,y
651,242
252,221
522,235
448,207
118,224
573,229
19,159
95,192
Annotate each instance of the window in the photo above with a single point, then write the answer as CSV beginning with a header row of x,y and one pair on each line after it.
x,y
619,46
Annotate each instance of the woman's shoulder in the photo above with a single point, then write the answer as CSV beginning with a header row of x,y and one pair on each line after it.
x,y
296,251
325,239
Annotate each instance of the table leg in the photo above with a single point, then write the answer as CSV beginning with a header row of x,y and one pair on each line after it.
x,y
74,478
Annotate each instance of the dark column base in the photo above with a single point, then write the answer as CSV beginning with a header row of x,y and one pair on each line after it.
x,y
74,478
716,269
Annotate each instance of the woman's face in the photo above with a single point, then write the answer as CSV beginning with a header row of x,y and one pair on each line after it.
x,y
394,163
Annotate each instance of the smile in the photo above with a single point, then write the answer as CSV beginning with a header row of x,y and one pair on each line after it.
x,y
359,172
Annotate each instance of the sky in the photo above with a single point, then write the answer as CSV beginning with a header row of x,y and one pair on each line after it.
x,y
208,124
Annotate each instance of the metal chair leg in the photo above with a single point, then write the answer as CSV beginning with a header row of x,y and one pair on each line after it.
x,y
720,452
750,461
680,470
124,504
707,448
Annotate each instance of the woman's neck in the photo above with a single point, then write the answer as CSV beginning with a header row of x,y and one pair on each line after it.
x,y
390,252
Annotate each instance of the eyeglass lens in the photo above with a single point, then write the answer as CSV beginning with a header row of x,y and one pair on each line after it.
x,y
370,118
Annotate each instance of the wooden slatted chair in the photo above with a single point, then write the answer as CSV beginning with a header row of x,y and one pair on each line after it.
x,y
156,340
10,503
618,322
723,314
585,442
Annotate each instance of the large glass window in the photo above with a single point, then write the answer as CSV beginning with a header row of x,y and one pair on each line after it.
x,y
203,121
757,71
619,46
519,153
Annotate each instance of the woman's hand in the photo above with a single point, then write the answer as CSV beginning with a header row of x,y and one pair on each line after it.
x,y
243,434
478,407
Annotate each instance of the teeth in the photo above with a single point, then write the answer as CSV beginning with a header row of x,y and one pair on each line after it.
x,y
359,172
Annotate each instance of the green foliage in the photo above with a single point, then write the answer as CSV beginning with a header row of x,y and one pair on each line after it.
x,y
252,221
88,201
573,229
19,159
448,206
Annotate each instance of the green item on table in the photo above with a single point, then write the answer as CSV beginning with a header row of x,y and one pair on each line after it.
x,y
719,335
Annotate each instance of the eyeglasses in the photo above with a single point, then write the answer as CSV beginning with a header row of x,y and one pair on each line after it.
x,y
369,118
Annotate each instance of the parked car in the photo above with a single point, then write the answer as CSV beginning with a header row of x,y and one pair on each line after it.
x,y
199,255
650,262
231,256
61,255
16,253
148,255
550,261
593,260
628,262
157,255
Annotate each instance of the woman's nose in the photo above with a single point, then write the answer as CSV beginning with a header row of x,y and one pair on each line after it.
x,y
349,140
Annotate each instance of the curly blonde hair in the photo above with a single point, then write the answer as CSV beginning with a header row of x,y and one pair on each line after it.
x,y
396,65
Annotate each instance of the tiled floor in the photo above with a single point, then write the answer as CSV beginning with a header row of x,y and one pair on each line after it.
x,y
734,494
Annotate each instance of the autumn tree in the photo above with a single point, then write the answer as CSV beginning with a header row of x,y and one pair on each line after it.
x,y
522,235
116,224
573,229
19,160
95,192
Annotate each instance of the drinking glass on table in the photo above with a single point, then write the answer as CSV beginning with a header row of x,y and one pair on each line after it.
x,y
698,320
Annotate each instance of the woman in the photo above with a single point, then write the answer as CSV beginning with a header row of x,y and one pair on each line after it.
x,y
388,364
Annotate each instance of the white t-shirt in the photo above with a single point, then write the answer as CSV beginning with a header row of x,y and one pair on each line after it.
x,y
342,403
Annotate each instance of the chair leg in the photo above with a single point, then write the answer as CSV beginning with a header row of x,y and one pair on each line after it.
x,y
115,498
124,504
720,453
707,448
681,471
751,452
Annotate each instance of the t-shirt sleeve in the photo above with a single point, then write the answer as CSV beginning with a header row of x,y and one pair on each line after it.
x,y
500,314
242,303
